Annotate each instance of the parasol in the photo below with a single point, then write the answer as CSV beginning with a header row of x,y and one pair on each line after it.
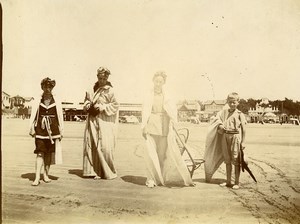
x,y
245,166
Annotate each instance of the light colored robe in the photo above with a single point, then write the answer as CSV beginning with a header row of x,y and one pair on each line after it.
x,y
175,171
213,154
57,156
100,135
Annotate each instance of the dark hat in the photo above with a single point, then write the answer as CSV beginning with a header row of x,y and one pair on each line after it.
x,y
103,70
48,81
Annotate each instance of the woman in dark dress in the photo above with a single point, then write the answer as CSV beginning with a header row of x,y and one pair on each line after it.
x,y
46,126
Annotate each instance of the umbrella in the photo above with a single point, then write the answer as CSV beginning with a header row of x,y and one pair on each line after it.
x,y
245,166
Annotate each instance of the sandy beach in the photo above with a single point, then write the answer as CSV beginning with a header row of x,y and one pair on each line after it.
x,y
273,151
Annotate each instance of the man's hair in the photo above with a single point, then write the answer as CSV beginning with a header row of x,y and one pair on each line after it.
x,y
234,96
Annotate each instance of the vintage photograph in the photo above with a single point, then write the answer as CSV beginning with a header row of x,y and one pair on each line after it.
x,y
150,111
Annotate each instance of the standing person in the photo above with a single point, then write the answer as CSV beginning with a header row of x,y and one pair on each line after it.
x,y
163,159
225,139
100,130
46,125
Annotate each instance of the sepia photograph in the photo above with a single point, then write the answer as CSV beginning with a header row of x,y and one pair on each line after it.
x,y
150,111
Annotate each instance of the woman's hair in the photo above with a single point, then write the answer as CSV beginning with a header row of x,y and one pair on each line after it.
x,y
47,81
161,74
100,71
234,96
103,70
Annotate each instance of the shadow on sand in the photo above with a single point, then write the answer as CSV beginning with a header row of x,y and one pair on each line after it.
x,y
31,176
135,180
213,181
77,172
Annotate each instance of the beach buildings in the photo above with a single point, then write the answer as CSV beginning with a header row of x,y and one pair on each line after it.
x,y
211,108
5,101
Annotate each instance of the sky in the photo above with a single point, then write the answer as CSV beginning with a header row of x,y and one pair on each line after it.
x,y
208,48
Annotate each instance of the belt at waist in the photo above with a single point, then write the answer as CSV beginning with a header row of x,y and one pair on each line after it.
x,y
45,124
231,131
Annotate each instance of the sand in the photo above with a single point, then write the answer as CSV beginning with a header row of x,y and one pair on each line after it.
x,y
273,151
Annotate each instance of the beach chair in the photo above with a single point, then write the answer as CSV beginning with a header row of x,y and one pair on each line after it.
x,y
182,135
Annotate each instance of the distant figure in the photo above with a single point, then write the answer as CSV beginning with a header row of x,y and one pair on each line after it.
x,y
100,130
46,125
261,119
225,139
163,159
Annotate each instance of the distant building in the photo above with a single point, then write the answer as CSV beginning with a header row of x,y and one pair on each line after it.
x,y
17,101
72,112
263,111
211,108
27,106
128,109
188,109
18,106
28,101
5,102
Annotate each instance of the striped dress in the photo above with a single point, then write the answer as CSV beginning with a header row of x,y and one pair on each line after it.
x,y
100,134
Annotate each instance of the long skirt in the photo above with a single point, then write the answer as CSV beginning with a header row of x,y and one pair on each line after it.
x,y
173,171
98,148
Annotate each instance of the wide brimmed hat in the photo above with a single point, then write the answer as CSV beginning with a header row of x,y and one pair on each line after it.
x,y
48,81
103,70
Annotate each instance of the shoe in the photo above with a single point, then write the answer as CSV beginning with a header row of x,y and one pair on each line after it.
x,y
150,184
224,185
235,187
35,184
47,181
97,178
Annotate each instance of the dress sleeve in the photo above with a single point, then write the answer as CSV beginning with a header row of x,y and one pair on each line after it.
x,y
87,101
243,119
111,106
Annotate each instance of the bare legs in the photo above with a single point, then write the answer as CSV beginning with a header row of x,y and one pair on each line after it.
x,y
161,147
231,156
38,166
42,159
47,162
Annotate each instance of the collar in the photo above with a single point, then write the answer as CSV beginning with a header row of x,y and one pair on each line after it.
x,y
106,87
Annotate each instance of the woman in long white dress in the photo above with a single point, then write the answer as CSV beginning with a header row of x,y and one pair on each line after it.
x,y
164,162
100,131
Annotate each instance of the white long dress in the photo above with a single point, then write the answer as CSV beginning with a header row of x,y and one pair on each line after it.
x,y
174,170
